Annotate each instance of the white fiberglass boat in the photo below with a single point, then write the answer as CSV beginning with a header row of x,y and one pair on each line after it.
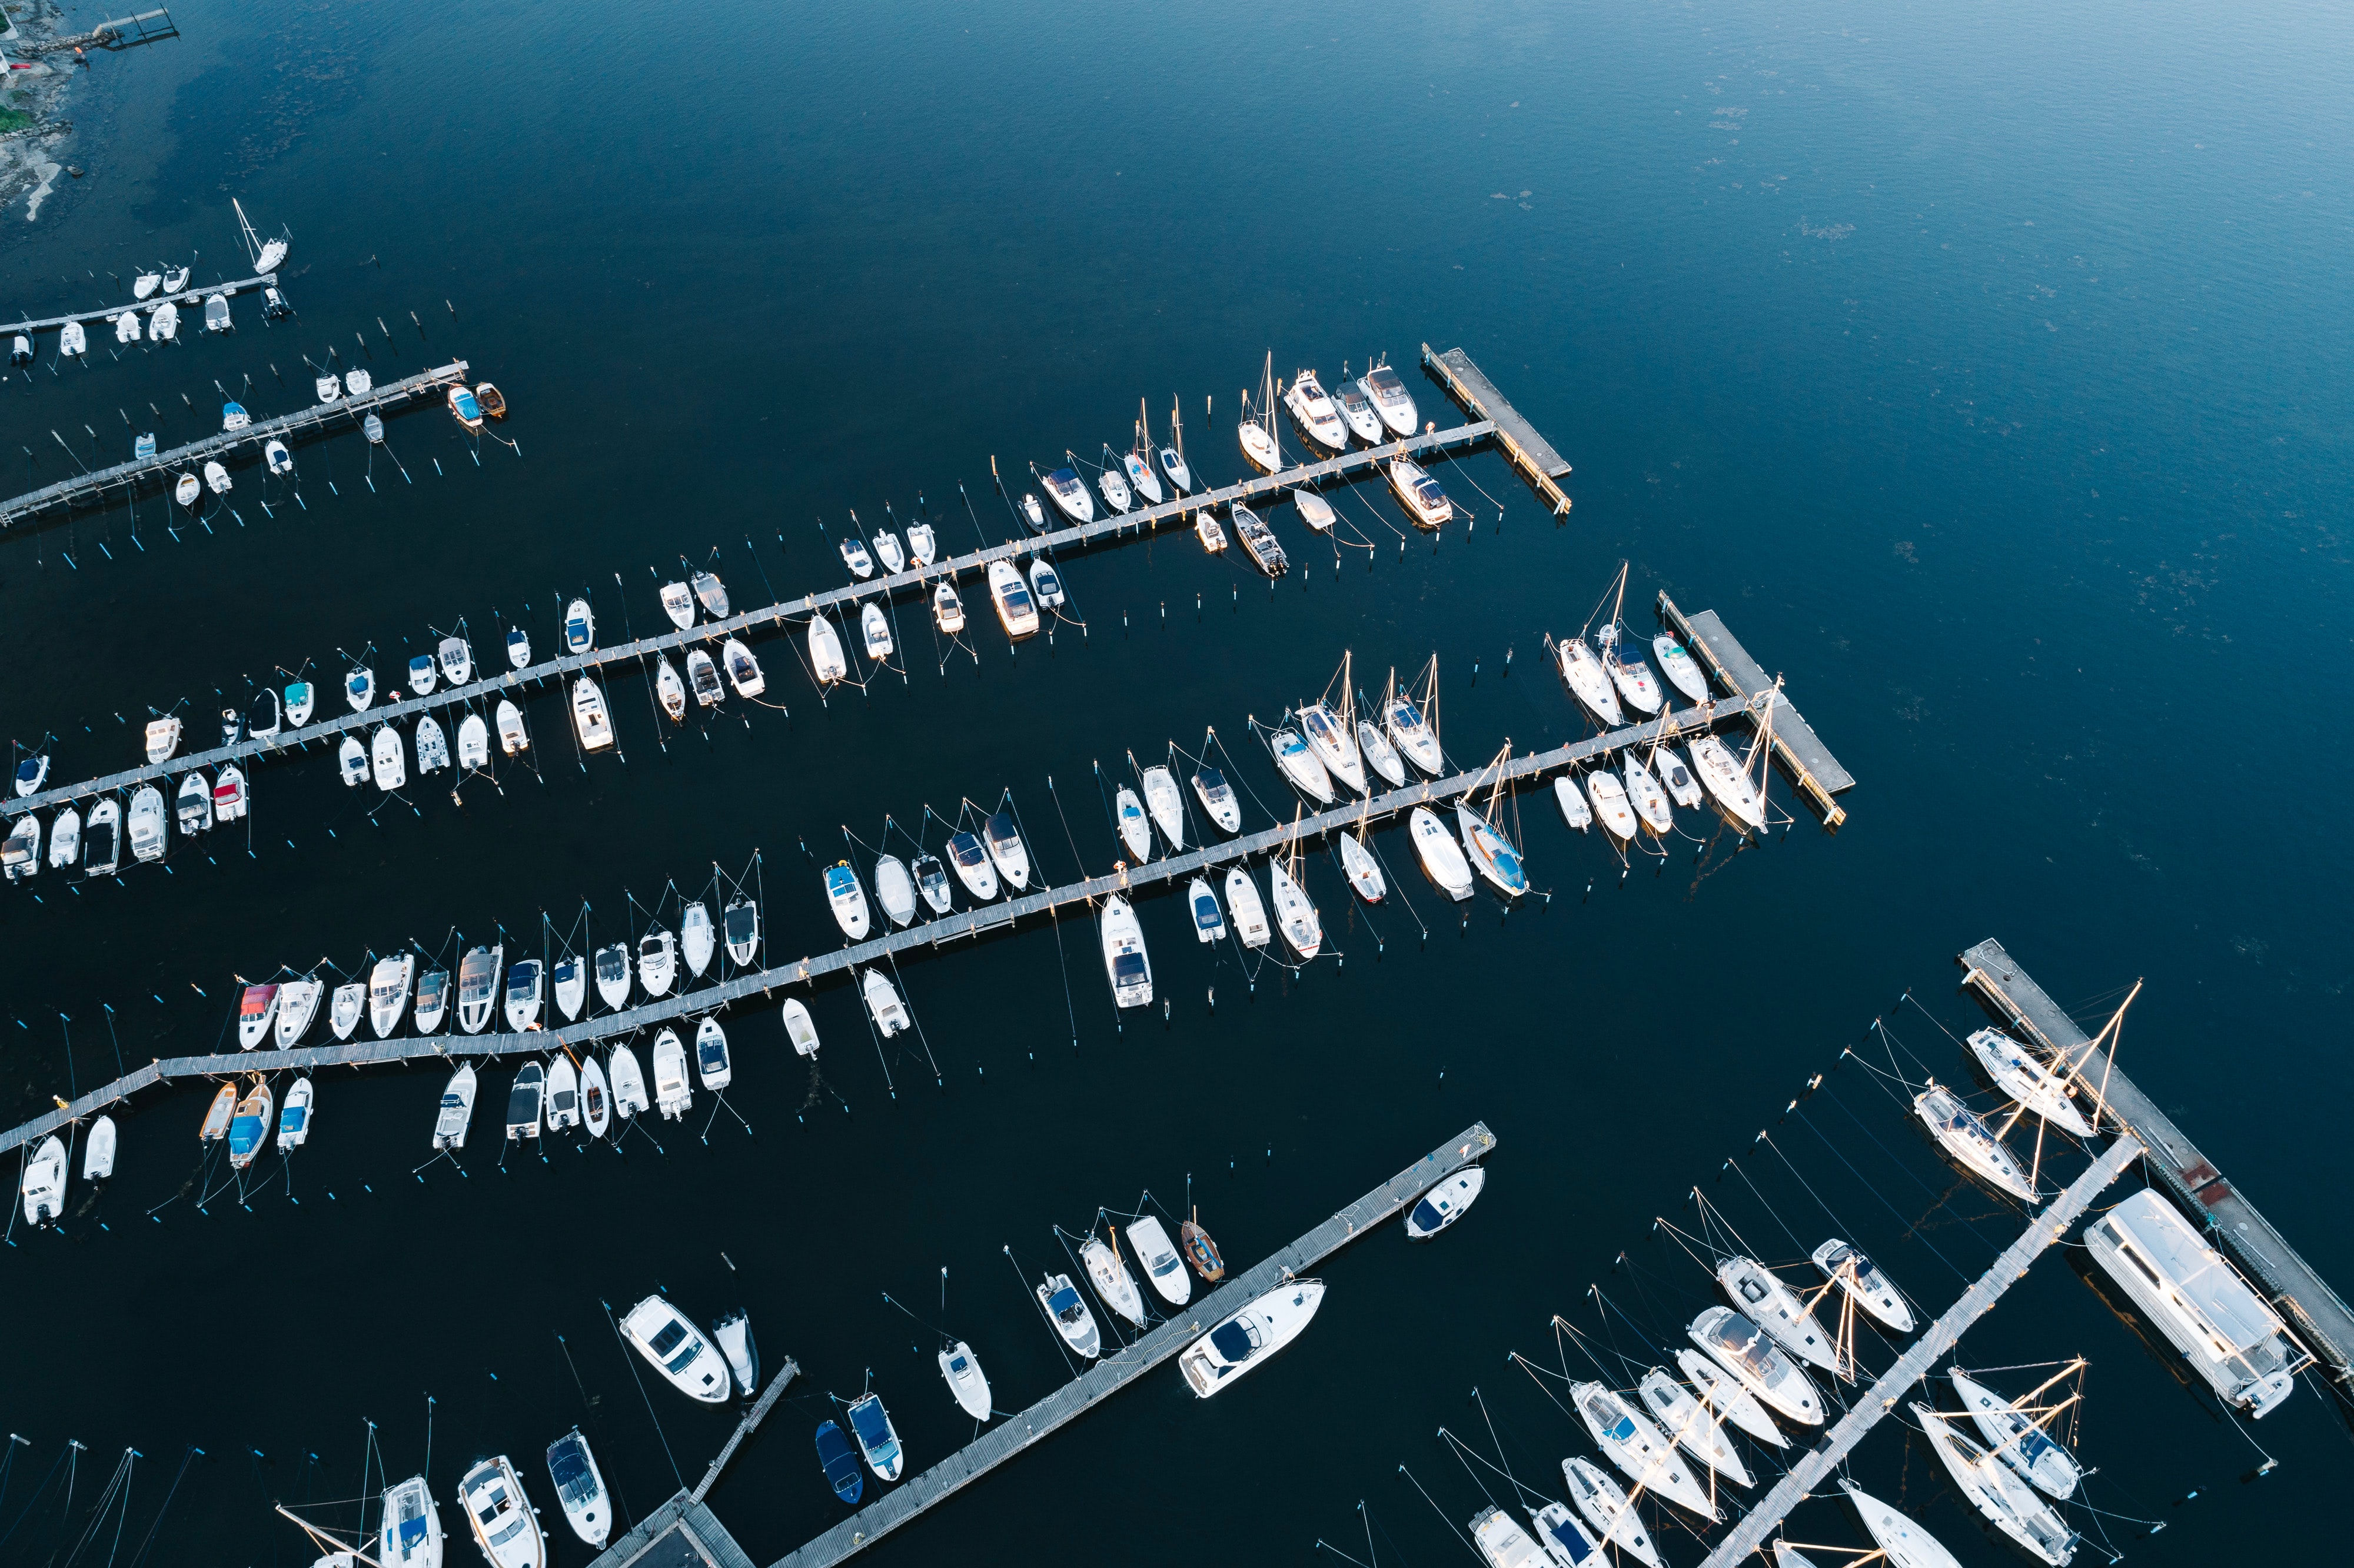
x,y
505,1525
932,882
874,631
1390,398
894,889
432,1000
457,657
2017,1439
1251,1337
257,1015
2004,1500
826,660
629,1096
1114,1286
1209,924
1667,765
1765,1300
965,1382
1295,915
1006,850
948,609
1334,746
1302,765
1688,1423
1491,853
1500,1541
345,1008
387,762
1442,859
743,670
22,853
2186,1291
1608,1508
359,688
1757,1364
887,550
388,986
1207,530
1158,1257
1905,1543
42,1187
672,1093
1140,477
1610,805
678,603
675,1347
298,1003
2017,1073
1314,412
1419,493
733,1335
1173,463
580,1488
1412,735
1067,1310
1114,489
1031,513
1972,1144
526,990
102,839
1728,1399
518,647
432,747
883,1003
712,1063
1575,809
143,827
1643,1454
1861,1279
1063,489
702,678
570,980
1567,1543
1380,755
580,628
1681,669
970,859
563,1093
1632,677
1016,611
847,898
1357,409
1728,781
1046,585
711,593
473,743
612,975
526,1101
457,1109
1124,957
697,940
1135,827
1442,1205
923,547
798,1027
1249,911
657,962
1589,682
1650,801
1364,872
412,1533
1259,542
1168,807
1218,798
596,1098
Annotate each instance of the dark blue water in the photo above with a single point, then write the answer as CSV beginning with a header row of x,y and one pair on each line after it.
x,y
1986,372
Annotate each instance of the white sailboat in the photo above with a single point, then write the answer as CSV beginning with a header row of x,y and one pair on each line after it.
x,y
1500,1541
1650,801
1250,1338
1364,873
1487,848
1333,736
1567,1543
1300,766
1857,1274
2018,1439
1729,1399
1589,682
1249,911
1688,1423
2017,1072
1728,781
1765,1300
1442,860
1125,962
1412,726
1608,1508
1135,827
1218,799
1757,1364
1667,765
1642,1453
1575,809
1295,915
2003,1499
1972,1144
1260,444
1172,456
1380,755
410,1536
1906,1544
1610,806
1632,677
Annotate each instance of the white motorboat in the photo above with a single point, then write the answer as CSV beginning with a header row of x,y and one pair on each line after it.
x,y
855,556
1644,1453
457,1109
630,1097
1608,1508
298,1004
1067,1310
346,1007
1609,798
596,1098
1425,503
712,1063
847,899
1906,1543
1667,765
1334,746
525,994
1135,827
799,1028
359,688
874,631
932,882
883,1003
1765,1300
2017,1072
1295,916
518,647
1124,957
1114,1286
1632,677
1314,412
1728,781
216,479
358,382
187,489
1728,1399
513,738
657,962
1567,1543
433,1003
1016,611
457,657
966,1384
34,771
526,1101
563,1093
42,1187
473,743
329,386
422,675
1491,852
1114,489
126,326
570,980
970,859
743,670
612,975
1031,513
2228,1334
1302,765
739,929
1218,799
433,746
1650,801
1158,1257
387,763
1412,735
21,854
102,839
465,408
1500,1541
1441,1205
145,284
580,1488
1681,669
887,550
1589,682
389,985
948,609
1971,1143
1379,754
1688,1423
1259,542
2017,1439
894,889
1442,858
218,1113
73,338
923,547
1251,1337
589,718
702,679
733,1335
300,700
1364,872
1070,497
1046,584
1757,1364
410,1536
144,825
505,1525
1140,477
294,1116
1207,529
1167,806
580,628
697,940
672,1094
826,661
1390,398
1006,850
1357,410
678,603
162,737
257,1015
711,593
65,834
1249,911
1209,924
1860,1278
2003,1499
1575,808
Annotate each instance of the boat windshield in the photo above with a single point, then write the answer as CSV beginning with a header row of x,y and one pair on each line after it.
x,y
1066,1304
661,1345
523,980
967,850
1235,1339
1743,1339
1612,1419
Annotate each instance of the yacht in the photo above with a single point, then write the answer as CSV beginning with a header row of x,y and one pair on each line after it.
x,y
878,1441
1607,1507
526,983
2017,1072
1491,853
1358,410
580,1488
1168,807
948,609
743,670
970,859
505,1525
923,548
1063,489
1135,827
1064,1307
101,848
2004,1500
143,827
1390,398
22,853
1729,782
1249,1338
1006,849
711,593
1757,1364
1631,676
798,1027
932,882
1609,798
2017,1439
389,992
1015,609
570,980
1860,1278
1218,798
298,1004
1442,860
1302,765
739,929
1294,914
674,1347
1249,911
1412,735
457,657
1148,1238
1380,755
580,628
1257,437
1683,672
1650,801
961,1368
1970,1142
1643,1454
387,763
1314,412
1114,489
563,1093
412,1533
1589,682
346,1007
257,1015
672,1093
1334,746
43,1185
1173,463
847,899
697,940
588,715
826,660
526,1101
630,1095
1765,1300
478,987
1364,873
359,688
1728,1399
1905,1542
457,1109
473,743
873,631
1259,542
1443,1204
612,975
840,1462
1045,586
432,1000
1419,493
711,1060
657,962
519,648
733,1335
1124,957
2188,1293
678,603
702,679
1684,1420
1500,1541
1114,1286
883,1003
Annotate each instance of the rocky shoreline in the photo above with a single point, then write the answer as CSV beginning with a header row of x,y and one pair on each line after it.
x,y
33,133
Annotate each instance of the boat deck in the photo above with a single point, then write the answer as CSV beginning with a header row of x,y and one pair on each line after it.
x,y
196,296
164,466
2295,1289
1796,745
1529,452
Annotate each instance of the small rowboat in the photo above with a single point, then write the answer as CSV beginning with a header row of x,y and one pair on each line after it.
x,y
1201,1251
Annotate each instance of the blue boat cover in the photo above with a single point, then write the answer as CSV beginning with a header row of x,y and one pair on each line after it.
x,y
1231,1340
841,1464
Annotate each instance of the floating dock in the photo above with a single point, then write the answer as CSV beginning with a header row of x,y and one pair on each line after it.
x,y
196,297
684,1532
2295,1288
1816,1466
1529,452
1011,1434
760,984
1797,747
166,466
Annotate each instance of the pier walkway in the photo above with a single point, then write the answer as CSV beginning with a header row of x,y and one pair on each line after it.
x,y
565,667
977,921
1529,452
166,466
682,1533
191,296
1012,1434
1812,767
1816,1466
2295,1288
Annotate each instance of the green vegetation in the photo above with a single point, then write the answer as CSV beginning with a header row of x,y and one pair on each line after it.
x,y
14,120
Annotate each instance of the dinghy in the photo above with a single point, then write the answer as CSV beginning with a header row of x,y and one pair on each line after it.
x,y
1300,766
145,826
739,928
711,1060
966,1384
1135,828
887,551
883,1003
596,1098
1259,542
1364,873
672,1094
412,1533
1314,412
629,1096
826,660
1631,676
580,1488
2016,1438
1729,782
948,609
1114,489
1045,586
388,764
359,688
1681,668
21,854
932,882
1442,860
1650,801
1209,924
1583,673
674,1347
2001,1498
702,678
1609,798
457,1109
346,1007
223,1105
491,401
1642,1453
1124,957
257,1015
1905,1543
711,593
1971,1143
1728,1399
457,657
894,889
101,848
1390,398
65,837
1357,411
1425,503
588,715
433,746
1249,911
696,943
526,986
43,1185
1294,914
847,899
1064,1307
330,388
358,382
570,980
798,1027
1491,853
873,631
98,1153
2017,1072
513,740
1757,1364
1006,850
1218,799
249,1129
1609,1510
193,806
1442,1205
580,628
973,869
473,743
1765,1300
1860,1278
1140,477
388,992
733,1335
1688,1423
298,1003
612,973
1251,1337
678,603
855,556
743,670
432,1000
1034,514
422,675
1016,611
840,1462
922,548
373,428
1063,489
657,962
217,478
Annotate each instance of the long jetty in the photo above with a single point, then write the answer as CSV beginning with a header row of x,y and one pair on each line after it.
x,y
566,667
1005,914
1815,1467
191,296
682,1533
302,422
2294,1287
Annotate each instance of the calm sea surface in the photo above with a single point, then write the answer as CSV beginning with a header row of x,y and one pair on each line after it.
x,y
1986,370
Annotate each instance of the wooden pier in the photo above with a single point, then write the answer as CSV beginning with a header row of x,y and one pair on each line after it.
x,y
1529,452
760,984
164,466
684,1532
1012,1434
193,296
1816,1466
2293,1285
1812,767
565,667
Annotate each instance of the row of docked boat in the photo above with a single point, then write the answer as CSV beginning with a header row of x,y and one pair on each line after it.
x,y
95,844
595,1096
498,1511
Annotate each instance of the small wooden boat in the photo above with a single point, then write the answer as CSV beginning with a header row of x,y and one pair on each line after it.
x,y
491,401
215,1126
249,1129
1200,1250
596,1099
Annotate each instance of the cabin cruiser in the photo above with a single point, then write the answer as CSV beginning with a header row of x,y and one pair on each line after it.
x,y
1249,911
1005,848
970,859
1757,1364
1302,765
739,929
1358,410
1442,860
345,1006
948,609
1209,924
1063,488
473,743
2004,1500
1390,398
505,1525
847,898
883,1003
526,1101
388,764
677,1349
1218,798
702,679
710,592
433,1003
563,1097
2017,1072
678,603
478,987
1207,529
657,962
611,968
388,992
923,547
630,1095
873,631
42,1187
1046,584
1729,782
1251,1337
456,659
1411,733
143,826
1158,1257
1860,1278
1642,1453
2017,1439
1419,493
21,854
1500,1541
712,1063
743,670
932,882
1015,609
697,940
1442,1205
1683,672
101,848
1334,746
855,556
1168,807
1314,412
580,1488
1067,1310
298,1004
970,1388
1124,955
162,737
1115,1287
878,1441
1589,682
1259,542
1774,1307
1114,489
2189,1294
257,1015
1972,1144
